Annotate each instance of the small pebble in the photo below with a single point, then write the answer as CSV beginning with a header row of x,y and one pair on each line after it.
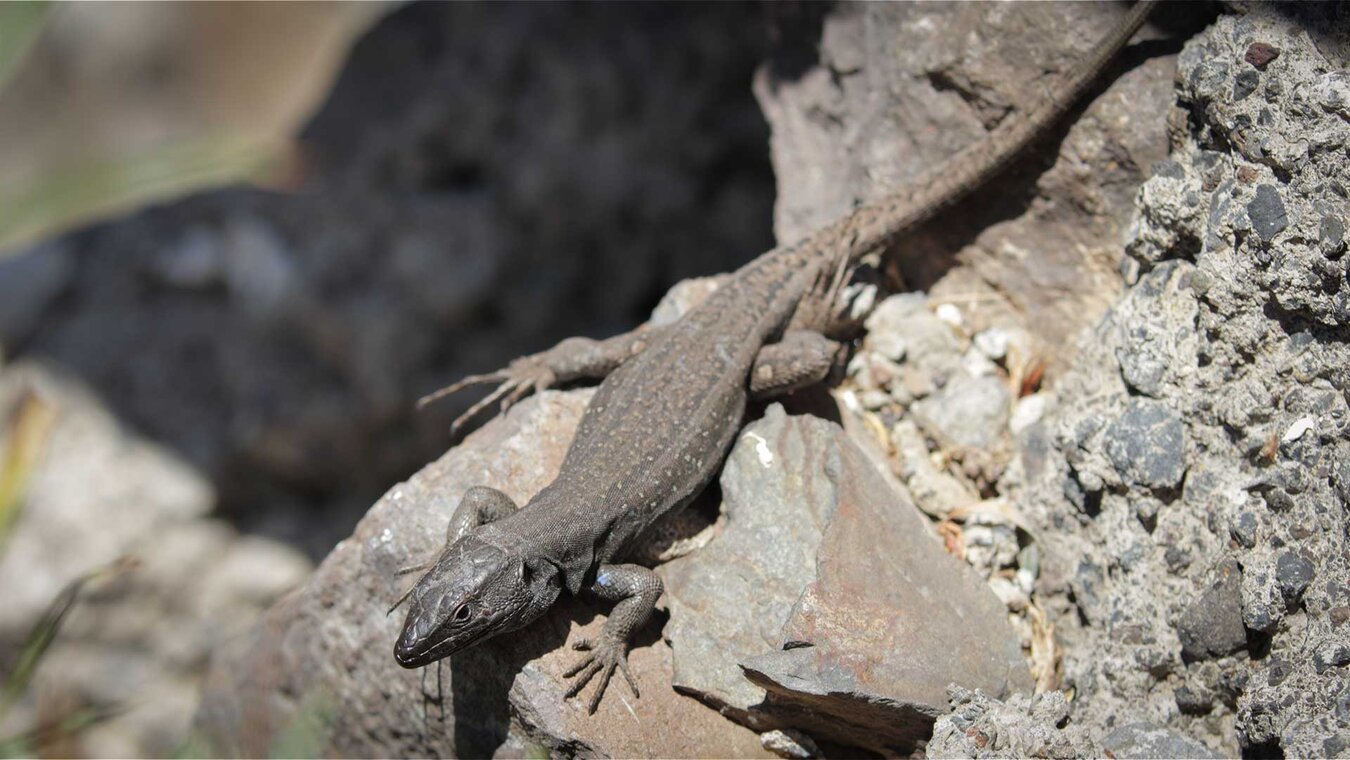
x,y
950,314
993,343
1029,411
889,345
1297,429
875,399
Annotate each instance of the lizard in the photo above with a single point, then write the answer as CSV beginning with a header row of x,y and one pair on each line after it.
x,y
664,416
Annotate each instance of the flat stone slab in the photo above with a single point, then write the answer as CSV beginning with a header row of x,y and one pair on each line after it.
x,y
828,590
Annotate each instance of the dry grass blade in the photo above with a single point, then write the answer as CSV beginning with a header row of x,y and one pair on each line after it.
x,y
26,433
42,740
35,645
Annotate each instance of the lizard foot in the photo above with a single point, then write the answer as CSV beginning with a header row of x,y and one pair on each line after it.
x,y
528,374
606,654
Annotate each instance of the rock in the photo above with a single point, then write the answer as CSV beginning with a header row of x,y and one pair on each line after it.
x,y
840,675
1243,529
789,744
1293,573
137,649
1157,343
1146,445
1267,212
1333,652
993,343
1259,54
934,490
902,325
1263,605
798,484
1212,625
968,411
1028,411
323,658
731,601
979,726
1148,742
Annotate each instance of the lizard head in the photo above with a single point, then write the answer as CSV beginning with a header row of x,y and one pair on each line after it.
x,y
474,591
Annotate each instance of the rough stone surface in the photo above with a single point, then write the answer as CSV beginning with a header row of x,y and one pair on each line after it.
x,y
138,648
324,657
1148,742
979,726
1212,625
968,411
1187,490
1145,444
803,620
898,87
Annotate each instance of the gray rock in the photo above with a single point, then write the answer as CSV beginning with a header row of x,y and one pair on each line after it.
x,y
1243,529
840,675
1212,625
968,411
730,602
1267,212
1155,323
993,343
979,726
137,649
1293,573
1146,445
1255,391
1143,741
789,744
833,145
1263,604
323,657
902,326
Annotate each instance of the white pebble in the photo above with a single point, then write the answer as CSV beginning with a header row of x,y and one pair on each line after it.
x,y
1029,411
993,343
1297,429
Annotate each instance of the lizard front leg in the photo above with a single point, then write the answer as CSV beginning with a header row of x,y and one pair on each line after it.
x,y
572,359
635,589
801,358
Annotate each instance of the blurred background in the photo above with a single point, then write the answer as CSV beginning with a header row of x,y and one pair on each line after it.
x,y
238,240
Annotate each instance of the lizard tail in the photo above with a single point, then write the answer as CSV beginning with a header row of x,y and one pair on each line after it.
x,y
875,224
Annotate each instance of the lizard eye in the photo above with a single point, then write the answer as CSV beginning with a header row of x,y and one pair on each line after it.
x,y
463,613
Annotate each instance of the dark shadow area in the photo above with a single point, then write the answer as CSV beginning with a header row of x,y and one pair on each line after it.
x,y
483,181
481,677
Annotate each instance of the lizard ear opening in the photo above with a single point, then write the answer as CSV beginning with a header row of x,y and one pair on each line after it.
x,y
537,571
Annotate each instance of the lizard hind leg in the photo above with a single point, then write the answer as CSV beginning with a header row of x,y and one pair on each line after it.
x,y
800,359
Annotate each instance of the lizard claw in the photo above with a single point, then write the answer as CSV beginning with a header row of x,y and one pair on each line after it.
x,y
526,375
606,654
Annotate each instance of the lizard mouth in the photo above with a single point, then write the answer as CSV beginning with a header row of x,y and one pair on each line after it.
x,y
411,652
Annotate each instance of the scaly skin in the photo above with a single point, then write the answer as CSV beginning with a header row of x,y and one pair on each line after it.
x,y
664,417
